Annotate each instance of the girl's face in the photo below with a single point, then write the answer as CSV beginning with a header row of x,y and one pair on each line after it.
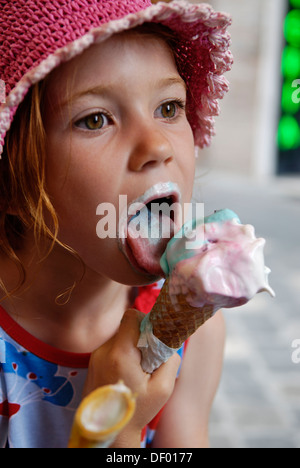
x,y
116,125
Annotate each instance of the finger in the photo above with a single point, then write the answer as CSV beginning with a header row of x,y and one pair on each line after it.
x,y
130,324
169,369
128,334
163,379
132,314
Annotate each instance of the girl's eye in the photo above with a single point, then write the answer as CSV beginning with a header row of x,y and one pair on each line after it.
x,y
170,110
92,122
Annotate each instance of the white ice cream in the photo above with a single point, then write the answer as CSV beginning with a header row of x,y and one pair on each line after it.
x,y
224,268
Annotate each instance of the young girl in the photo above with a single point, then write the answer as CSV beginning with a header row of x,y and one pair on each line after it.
x,y
102,99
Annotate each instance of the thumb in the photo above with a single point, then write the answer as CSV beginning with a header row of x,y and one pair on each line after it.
x,y
130,323
129,333
169,370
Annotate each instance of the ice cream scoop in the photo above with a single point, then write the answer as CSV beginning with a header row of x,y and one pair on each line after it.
x,y
209,264
224,265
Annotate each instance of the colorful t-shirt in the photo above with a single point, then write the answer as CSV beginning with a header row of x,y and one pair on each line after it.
x,y
41,386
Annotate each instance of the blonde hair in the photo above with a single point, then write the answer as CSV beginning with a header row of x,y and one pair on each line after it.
x,y
23,197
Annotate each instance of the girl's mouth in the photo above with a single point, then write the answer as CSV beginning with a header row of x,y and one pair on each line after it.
x,y
150,222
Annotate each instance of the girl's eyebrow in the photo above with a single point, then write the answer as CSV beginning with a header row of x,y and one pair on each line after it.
x,y
95,90
103,90
172,80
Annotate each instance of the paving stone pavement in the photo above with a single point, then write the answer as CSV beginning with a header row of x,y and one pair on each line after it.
x,y
258,401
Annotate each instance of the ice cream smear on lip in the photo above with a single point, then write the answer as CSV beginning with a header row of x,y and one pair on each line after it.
x,y
151,225
223,266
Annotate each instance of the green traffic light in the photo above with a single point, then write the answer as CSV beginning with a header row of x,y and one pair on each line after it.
x,y
292,28
290,63
288,133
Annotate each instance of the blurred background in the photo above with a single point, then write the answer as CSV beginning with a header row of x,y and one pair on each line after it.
x,y
253,167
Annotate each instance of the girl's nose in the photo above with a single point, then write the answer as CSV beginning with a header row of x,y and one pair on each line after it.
x,y
151,148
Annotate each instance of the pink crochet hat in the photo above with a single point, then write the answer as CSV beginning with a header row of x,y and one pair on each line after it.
x,y
36,36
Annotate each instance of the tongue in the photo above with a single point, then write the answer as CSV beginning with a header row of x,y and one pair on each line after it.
x,y
147,236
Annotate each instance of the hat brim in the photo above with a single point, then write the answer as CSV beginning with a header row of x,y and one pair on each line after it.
x,y
203,41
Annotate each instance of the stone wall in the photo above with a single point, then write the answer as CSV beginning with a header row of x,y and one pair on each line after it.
x,y
246,129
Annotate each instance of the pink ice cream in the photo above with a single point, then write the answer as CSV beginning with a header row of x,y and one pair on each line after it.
x,y
225,266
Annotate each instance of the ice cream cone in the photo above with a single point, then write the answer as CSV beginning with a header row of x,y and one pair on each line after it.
x,y
101,416
222,268
174,320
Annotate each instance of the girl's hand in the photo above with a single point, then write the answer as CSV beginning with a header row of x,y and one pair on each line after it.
x,y
119,358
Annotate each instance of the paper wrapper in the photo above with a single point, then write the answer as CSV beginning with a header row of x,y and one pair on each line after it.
x,y
170,323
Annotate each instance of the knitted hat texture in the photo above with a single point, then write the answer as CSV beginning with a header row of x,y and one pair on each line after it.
x,y
36,36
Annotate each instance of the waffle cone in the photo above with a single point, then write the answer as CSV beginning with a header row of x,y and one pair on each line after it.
x,y
174,320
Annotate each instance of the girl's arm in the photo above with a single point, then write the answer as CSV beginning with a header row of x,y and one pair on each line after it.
x,y
120,359
184,421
